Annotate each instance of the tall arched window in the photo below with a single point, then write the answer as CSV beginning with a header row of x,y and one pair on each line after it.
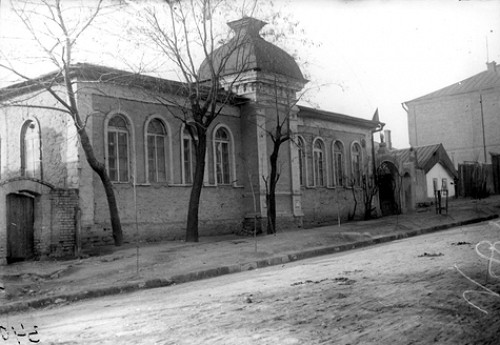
x,y
118,150
338,163
222,142
356,163
157,151
188,156
302,159
319,163
31,156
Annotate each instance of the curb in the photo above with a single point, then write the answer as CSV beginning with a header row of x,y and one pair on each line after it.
x,y
229,269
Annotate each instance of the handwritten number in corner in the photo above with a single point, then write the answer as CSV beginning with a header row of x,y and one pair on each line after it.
x,y
35,332
4,332
22,333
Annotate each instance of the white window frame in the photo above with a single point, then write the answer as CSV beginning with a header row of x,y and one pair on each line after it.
x,y
185,136
130,143
168,150
338,181
222,161
301,151
231,155
316,167
31,166
360,161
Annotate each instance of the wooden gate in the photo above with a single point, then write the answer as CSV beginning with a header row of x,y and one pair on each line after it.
x,y
495,161
20,221
474,179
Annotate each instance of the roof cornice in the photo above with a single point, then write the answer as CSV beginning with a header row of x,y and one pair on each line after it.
x,y
85,72
331,116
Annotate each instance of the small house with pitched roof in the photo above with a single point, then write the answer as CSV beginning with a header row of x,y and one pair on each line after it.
x,y
411,176
437,168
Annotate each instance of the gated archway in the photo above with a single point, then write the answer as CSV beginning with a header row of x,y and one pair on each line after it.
x,y
20,227
388,184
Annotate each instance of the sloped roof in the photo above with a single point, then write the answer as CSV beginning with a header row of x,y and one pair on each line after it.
x,y
481,81
248,51
104,74
426,157
331,116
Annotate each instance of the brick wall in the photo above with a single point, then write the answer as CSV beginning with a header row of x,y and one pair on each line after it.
x,y
53,228
58,142
64,211
162,212
457,123
161,207
323,205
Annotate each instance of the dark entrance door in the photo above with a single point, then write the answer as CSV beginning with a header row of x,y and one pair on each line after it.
x,y
387,184
20,221
386,194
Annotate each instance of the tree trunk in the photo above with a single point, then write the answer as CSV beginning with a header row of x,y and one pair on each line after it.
x,y
368,193
194,198
100,169
271,197
351,216
368,206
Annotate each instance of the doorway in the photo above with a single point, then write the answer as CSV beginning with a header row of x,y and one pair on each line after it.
x,y
388,188
20,227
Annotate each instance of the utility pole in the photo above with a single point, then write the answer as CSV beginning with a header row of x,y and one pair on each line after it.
x,y
482,127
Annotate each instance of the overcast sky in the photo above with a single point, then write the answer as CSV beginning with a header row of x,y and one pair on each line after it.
x,y
386,52
378,54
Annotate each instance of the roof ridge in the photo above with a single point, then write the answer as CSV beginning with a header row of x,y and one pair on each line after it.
x,y
476,82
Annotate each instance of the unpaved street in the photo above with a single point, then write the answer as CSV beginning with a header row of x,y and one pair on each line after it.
x,y
405,292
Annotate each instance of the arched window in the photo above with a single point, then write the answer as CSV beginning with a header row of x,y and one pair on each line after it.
x,y
302,159
338,163
118,150
356,163
222,142
189,155
31,156
319,163
157,151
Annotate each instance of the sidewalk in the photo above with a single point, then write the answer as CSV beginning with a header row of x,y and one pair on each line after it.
x,y
129,268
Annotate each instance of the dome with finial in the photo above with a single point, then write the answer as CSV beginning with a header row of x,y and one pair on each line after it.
x,y
248,51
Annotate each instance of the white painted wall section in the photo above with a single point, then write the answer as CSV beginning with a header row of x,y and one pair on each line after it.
x,y
439,172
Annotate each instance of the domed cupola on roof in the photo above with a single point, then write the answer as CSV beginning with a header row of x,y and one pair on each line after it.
x,y
247,52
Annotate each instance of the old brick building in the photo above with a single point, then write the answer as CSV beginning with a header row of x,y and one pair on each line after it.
x,y
464,117
52,202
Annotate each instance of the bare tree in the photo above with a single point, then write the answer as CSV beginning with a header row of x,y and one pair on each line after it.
x,y
182,31
352,185
56,27
368,185
187,31
370,189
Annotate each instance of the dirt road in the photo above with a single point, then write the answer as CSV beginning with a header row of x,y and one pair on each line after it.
x,y
405,292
